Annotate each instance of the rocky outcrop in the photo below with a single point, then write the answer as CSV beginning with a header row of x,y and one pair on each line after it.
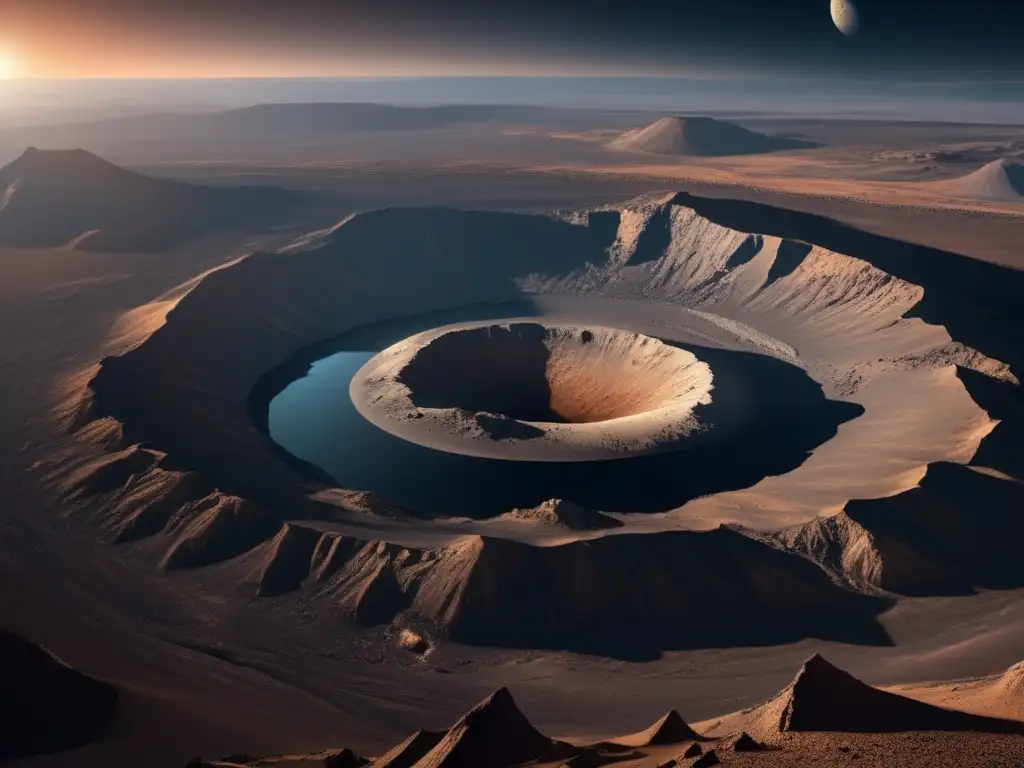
x,y
110,472
216,528
742,742
287,561
560,513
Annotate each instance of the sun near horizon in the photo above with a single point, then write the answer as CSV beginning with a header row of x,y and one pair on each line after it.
x,y
8,65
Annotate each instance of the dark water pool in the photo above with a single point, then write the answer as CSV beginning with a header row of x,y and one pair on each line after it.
x,y
766,416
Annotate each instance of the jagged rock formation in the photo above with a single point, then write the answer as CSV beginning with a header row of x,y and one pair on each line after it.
x,y
287,561
839,545
494,591
560,513
147,502
825,698
216,528
46,706
110,472
954,532
702,137
59,197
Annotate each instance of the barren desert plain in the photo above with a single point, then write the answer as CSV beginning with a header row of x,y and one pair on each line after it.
x,y
342,435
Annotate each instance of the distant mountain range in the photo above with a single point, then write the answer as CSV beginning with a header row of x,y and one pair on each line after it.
x,y
72,197
292,122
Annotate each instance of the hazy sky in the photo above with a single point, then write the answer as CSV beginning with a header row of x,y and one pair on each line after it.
x,y
914,40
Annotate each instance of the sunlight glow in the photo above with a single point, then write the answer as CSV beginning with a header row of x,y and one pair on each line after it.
x,y
8,65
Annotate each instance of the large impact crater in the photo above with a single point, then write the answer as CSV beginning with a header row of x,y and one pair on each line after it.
x,y
863,438
532,391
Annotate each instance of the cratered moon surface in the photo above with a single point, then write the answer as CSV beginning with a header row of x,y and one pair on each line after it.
x,y
844,14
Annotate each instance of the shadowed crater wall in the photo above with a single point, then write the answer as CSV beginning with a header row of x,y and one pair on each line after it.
x,y
497,369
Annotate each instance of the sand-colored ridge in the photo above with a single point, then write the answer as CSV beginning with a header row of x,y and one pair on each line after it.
x,y
822,713
825,698
669,729
48,706
411,751
287,561
1000,695
1000,180
701,137
148,501
109,472
561,513
216,528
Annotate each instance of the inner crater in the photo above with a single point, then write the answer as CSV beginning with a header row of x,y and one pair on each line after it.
x,y
552,374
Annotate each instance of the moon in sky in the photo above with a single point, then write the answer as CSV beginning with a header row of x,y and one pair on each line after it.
x,y
844,14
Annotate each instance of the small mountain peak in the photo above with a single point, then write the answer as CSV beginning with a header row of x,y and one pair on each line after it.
x,y
701,136
499,710
672,728
494,727
817,666
62,166
744,742
669,729
345,758
1001,179
500,698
